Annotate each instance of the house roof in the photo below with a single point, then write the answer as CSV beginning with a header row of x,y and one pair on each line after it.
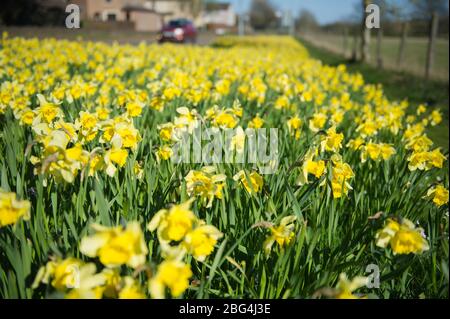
x,y
143,9
137,8
215,6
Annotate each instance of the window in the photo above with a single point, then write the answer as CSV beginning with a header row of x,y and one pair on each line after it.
x,y
111,17
178,23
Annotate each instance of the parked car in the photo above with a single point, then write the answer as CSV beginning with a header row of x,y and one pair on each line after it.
x,y
180,31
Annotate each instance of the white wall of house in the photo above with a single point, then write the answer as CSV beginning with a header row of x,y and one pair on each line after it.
x,y
223,17
100,9
176,8
146,21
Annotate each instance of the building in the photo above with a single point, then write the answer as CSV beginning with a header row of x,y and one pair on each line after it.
x,y
146,15
144,18
218,15
173,9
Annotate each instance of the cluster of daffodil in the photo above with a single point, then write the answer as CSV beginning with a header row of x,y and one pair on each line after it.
x,y
179,233
282,234
205,184
115,248
320,159
92,140
76,122
89,109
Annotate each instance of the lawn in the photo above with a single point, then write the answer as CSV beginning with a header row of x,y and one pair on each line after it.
x,y
415,52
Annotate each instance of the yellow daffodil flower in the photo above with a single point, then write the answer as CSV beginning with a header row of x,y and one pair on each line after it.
x,y
402,236
12,209
116,246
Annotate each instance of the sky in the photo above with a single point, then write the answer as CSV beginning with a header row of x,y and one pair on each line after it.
x,y
326,11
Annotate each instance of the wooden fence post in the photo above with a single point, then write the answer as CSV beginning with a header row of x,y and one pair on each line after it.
x,y
431,44
355,47
345,43
379,48
401,50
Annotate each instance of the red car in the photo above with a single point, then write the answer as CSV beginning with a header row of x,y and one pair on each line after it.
x,y
179,31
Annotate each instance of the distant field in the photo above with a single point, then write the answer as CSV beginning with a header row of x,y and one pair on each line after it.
x,y
415,52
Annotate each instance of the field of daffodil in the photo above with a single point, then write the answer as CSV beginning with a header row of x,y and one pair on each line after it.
x,y
92,206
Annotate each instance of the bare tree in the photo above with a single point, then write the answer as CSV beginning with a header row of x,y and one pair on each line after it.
x,y
424,9
383,11
31,12
398,12
429,10
431,44
365,34
262,14
306,21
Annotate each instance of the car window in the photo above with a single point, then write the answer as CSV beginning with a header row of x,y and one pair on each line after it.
x,y
177,23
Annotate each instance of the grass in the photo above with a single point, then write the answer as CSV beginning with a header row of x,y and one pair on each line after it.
x,y
397,85
414,56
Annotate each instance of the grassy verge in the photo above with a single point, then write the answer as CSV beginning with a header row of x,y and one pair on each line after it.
x,y
398,85
414,57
